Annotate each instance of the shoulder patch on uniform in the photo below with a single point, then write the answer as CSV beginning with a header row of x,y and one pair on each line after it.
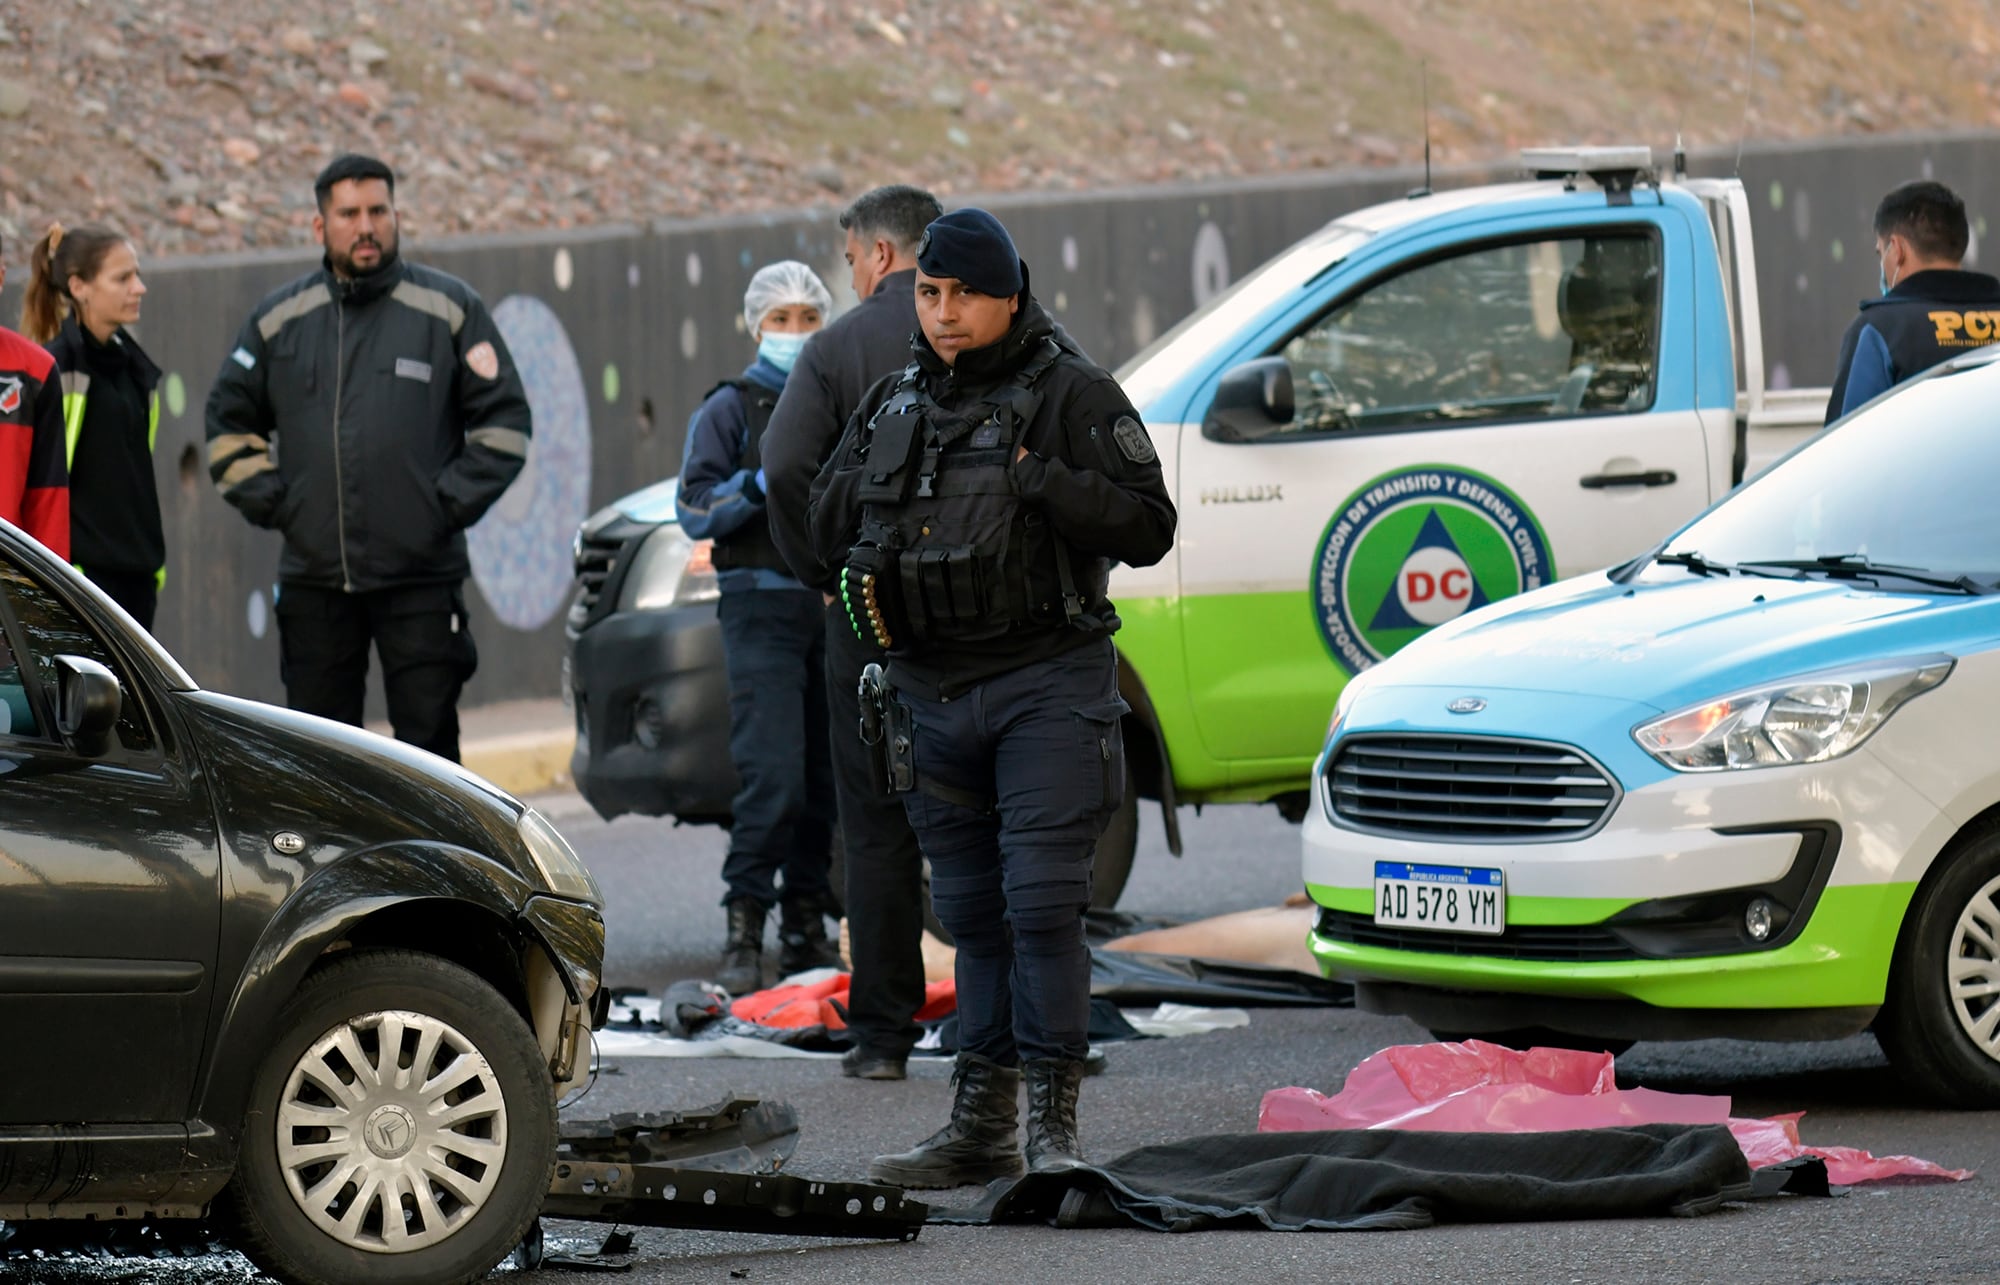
x,y
1133,442
10,394
482,360
243,358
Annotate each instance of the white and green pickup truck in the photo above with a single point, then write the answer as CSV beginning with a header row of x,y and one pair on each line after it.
x,y
1422,407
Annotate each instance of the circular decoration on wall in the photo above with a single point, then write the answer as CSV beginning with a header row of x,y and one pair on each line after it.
x,y
610,383
521,548
565,269
256,614
691,338
177,395
1069,254
632,275
1211,264
694,268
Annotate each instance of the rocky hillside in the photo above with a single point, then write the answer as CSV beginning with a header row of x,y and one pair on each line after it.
x,y
197,124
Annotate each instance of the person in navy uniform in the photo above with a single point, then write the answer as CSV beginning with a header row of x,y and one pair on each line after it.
x,y
773,647
975,504
1931,309
884,893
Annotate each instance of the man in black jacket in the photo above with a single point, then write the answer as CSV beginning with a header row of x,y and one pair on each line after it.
x,y
884,888
978,500
1930,309
399,418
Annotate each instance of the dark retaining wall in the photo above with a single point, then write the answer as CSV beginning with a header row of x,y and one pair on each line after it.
x,y
620,330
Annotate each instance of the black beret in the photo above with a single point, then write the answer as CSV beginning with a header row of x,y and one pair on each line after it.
x,y
973,247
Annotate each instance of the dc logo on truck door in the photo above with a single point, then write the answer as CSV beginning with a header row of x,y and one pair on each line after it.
x,y
1415,548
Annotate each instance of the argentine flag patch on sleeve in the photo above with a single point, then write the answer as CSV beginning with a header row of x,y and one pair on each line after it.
x,y
243,358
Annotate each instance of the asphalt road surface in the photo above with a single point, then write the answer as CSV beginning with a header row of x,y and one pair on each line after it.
x,y
662,886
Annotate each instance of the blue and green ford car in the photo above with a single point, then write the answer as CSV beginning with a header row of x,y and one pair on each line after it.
x,y
1745,785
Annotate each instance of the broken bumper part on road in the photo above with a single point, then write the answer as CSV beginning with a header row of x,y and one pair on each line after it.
x,y
715,1169
704,1200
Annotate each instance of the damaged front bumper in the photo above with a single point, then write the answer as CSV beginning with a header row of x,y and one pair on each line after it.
x,y
715,1169
566,998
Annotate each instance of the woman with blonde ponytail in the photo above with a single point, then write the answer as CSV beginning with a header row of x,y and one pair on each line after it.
x,y
85,291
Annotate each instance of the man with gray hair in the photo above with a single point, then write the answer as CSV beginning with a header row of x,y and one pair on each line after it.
x,y
884,892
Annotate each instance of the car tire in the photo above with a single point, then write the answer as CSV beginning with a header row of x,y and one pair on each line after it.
x,y
1944,1042
467,1192
1111,865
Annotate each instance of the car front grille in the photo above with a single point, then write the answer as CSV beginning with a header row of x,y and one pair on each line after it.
x,y
595,558
1579,943
1467,789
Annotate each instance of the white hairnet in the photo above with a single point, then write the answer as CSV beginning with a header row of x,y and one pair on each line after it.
x,y
784,283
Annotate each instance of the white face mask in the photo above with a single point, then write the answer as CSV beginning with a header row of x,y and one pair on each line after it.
x,y
781,350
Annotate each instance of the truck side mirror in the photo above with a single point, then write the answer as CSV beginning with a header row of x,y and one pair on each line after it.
x,y
1252,401
87,703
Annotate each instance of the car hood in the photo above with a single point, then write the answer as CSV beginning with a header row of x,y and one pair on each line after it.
x,y
343,789
1679,642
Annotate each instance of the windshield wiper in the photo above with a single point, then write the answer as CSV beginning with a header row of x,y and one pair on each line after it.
x,y
1854,566
1693,562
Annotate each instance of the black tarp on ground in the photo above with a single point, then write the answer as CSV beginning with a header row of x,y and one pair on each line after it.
x,y
1131,977
1357,1180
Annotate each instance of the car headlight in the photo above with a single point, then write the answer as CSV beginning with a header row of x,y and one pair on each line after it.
x,y
563,872
670,570
1805,720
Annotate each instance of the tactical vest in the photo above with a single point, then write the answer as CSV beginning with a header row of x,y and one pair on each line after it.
x,y
750,545
948,553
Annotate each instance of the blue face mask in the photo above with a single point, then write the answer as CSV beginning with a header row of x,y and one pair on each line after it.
x,y
781,350
1882,275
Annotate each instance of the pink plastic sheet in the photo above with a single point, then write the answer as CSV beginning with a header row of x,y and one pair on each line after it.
x,y
1476,1087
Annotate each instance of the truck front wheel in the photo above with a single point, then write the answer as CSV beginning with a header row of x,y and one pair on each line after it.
x,y
1109,869
1112,865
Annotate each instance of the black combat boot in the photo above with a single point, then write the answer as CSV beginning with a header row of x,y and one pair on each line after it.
x,y
1052,1088
742,968
802,940
978,1145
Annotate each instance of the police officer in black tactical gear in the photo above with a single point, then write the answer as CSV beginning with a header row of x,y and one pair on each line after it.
x,y
1930,310
977,500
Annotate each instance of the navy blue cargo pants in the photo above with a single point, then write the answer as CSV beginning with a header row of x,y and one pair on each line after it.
x,y
1011,880
774,647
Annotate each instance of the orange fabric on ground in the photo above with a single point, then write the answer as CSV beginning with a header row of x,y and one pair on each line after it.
x,y
822,1003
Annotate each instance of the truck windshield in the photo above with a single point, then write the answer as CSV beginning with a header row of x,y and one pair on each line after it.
x,y
1201,332
1906,484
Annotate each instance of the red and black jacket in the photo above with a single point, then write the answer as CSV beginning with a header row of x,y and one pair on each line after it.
x,y
34,472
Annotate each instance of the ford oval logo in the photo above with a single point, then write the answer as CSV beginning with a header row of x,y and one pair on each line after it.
x,y
1467,705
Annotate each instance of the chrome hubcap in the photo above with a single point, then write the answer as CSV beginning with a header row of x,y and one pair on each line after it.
x,y
1973,969
391,1132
